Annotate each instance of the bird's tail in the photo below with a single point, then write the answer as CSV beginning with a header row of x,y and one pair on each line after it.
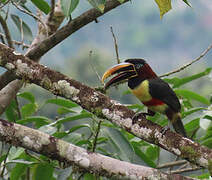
x,y
178,124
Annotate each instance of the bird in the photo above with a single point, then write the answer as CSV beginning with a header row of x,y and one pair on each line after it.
x,y
150,89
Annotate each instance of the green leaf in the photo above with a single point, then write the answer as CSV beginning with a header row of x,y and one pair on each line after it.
x,y
28,96
3,1
62,102
42,5
72,118
119,143
191,111
28,109
177,82
185,1
207,142
207,117
143,156
11,112
62,134
48,129
98,4
73,138
43,171
89,176
164,6
121,1
18,171
38,120
208,134
192,125
26,30
64,110
68,6
192,95
3,157
152,152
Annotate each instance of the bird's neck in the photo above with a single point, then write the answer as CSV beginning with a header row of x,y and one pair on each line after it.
x,y
145,73
134,82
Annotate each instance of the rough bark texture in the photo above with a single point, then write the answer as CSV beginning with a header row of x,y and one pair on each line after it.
x,y
60,150
103,107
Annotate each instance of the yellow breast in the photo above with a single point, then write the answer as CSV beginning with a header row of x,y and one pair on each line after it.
x,y
142,91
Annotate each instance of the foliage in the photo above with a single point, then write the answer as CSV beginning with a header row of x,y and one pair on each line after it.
x,y
79,127
75,125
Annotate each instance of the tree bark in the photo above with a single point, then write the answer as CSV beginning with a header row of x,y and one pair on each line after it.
x,y
62,151
103,107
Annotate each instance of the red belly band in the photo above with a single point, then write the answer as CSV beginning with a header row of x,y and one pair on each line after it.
x,y
153,102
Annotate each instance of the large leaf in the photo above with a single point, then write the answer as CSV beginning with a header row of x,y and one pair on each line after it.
x,y
142,155
21,24
62,102
72,118
18,171
164,6
119,142
28,109
42,5
62,134
11,112
121,1
185,1
98,4
207,142
68,6
191,111
28,96
43,171
38,120
192,95
177,82
192,125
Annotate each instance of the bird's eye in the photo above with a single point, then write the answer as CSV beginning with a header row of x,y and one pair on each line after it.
x,y
138,66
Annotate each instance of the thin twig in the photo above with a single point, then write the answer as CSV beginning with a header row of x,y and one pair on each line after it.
x,y
51,14
4,4
93,67
115,44
16,42
171,164
186,170
4,163
30,14
96,136
22,31
7,32
190,63
17,108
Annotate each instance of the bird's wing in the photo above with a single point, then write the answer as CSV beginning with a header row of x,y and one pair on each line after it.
x,y
161,90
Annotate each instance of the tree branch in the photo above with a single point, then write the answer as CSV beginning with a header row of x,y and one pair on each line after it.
x,y
190,63
62,151
69,29
103,107
6,31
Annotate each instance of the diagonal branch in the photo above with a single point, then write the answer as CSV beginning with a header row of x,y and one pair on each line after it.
x,y
69,29
103,107
62,151
190,63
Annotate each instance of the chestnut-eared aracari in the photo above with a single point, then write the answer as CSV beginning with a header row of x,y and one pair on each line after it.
x,y
152,91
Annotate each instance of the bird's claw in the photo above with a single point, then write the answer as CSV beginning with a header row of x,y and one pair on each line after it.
x,y
164,129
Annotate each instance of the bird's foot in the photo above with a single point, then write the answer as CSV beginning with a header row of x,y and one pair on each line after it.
x,y
164,129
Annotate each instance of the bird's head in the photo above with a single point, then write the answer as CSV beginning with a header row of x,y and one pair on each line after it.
x,y
129,69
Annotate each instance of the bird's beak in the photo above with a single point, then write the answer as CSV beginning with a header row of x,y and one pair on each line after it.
x,y
124,70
